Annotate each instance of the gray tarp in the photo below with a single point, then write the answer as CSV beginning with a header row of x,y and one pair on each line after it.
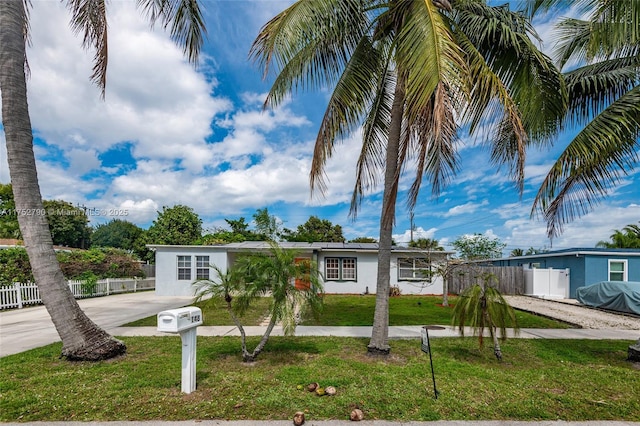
x,y
615,295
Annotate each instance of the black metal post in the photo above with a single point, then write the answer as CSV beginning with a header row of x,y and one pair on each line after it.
x,y
428,349
433,374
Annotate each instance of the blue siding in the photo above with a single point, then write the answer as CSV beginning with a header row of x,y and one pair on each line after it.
x,y
588,267
634,269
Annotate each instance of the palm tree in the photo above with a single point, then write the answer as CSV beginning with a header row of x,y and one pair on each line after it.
x,y
271,274
426,244
604,102
516,252
410,76
628,237
81,338
480,307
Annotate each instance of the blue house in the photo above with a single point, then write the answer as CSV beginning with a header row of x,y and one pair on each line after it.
x,y
586,265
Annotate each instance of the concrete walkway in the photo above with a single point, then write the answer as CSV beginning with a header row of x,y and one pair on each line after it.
x,y
28,328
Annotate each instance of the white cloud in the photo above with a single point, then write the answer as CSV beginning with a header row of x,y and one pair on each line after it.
x,y
82,161
418,233
466,208
154,98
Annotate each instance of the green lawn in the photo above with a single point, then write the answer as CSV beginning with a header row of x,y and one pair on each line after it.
x,y
216,314
350,310
539,379
343,310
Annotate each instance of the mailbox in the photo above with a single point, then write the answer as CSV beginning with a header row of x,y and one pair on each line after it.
x,y
177,320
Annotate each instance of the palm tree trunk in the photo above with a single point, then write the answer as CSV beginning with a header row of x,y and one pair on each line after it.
x,y
81,338
378,344
262,343
243,335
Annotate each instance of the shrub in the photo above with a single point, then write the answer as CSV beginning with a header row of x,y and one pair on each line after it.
x,y
14,266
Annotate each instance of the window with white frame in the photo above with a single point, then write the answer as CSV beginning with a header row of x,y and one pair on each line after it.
x,y
617,270
202,267
414,269
184,267
340,269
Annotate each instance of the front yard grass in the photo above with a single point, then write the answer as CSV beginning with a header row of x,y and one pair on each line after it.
x,y
573,380
349,310
356,310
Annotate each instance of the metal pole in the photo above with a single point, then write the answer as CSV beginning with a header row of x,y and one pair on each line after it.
x,y
433,375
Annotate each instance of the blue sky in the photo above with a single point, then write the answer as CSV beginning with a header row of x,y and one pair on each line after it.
x,y
170,134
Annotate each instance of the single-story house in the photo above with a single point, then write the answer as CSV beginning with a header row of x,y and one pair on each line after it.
x,y
345,267
586,265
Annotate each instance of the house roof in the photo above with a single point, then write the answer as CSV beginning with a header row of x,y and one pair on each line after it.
x,y
316,246
579,252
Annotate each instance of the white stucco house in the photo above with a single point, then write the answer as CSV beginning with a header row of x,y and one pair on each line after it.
x,y
345,267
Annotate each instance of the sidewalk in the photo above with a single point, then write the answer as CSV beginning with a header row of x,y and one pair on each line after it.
x,y
28,328
399,332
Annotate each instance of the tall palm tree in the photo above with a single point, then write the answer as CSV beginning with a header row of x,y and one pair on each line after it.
x,y
604,102
269,274
410,74
81,338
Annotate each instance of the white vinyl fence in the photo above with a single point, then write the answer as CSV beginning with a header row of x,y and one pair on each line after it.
x,y
18,295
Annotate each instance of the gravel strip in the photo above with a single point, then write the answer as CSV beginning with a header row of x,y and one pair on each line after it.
x,y
580,315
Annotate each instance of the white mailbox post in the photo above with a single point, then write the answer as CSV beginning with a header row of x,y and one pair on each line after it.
x,y
184,321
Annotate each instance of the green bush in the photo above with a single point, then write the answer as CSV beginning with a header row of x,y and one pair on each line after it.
x,y
102,262
14,266
76,265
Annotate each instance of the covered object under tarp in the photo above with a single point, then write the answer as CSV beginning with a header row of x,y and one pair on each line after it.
x,y
621,296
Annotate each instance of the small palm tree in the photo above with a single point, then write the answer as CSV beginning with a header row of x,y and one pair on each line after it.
x,y
482,306
271,274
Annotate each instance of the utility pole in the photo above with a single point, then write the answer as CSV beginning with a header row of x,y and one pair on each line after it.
x,y
411,220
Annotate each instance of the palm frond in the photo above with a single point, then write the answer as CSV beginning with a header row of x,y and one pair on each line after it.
x,y
592,87
371,160
435,133
184,20
604,151
309,44
89,17
427,51
350,100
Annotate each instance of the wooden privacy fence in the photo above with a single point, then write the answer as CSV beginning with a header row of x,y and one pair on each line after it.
x,y
507,279
18,294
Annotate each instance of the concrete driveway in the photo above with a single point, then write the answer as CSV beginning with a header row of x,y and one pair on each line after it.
x,y
28,328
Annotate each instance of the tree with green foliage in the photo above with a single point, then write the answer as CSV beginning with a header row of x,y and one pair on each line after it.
x,y
363,240
481,307
69,225
411,74
604,104
116,233
81,338
628,237
315,230
177,225
14,266
516,252
265,274
426,244
75,264
100,262
478,247
267,226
